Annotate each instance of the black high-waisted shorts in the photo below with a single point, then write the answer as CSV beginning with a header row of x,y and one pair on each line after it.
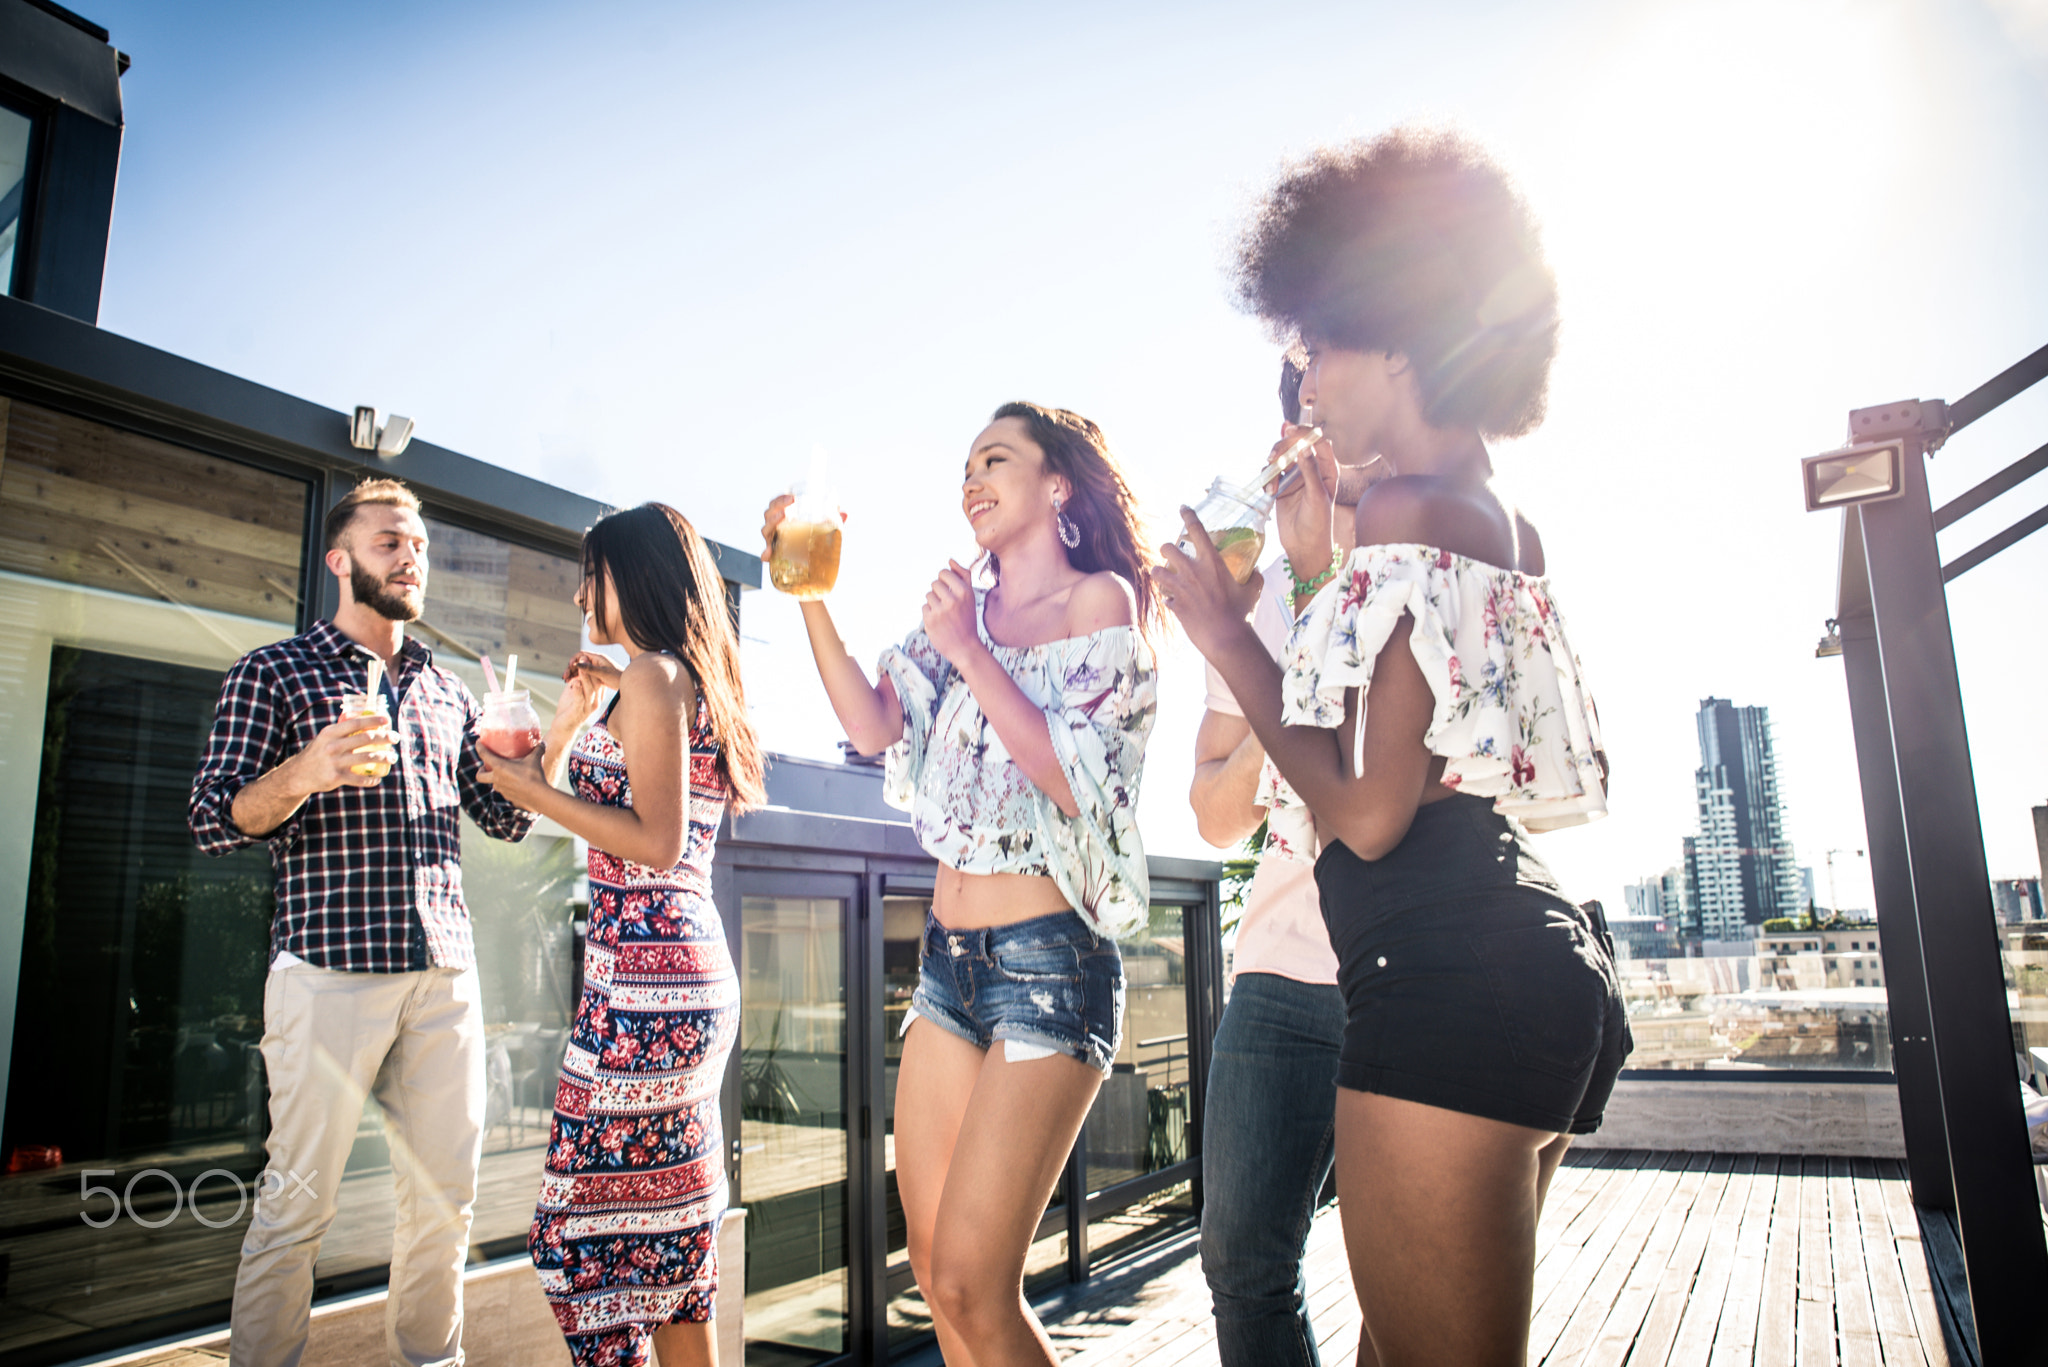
x,y
1469,981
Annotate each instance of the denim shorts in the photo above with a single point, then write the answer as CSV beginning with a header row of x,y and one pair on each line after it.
x,y
1049,985
1469,981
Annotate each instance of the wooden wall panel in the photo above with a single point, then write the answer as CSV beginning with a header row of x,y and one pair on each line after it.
x,y
496,598
87,504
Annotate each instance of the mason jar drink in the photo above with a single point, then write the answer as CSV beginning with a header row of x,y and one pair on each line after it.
x,y
509,726
804,562
377,756
1236,522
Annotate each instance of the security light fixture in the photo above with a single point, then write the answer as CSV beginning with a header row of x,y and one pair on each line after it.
x,y
1855,474
1830,644
387,439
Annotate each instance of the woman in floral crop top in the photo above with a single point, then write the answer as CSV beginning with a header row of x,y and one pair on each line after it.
x,y
1014,721
1427,714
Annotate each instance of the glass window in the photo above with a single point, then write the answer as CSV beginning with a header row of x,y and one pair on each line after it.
x,y
85,504
1139,1122
903,920
17,131
1796,1004
487,596
793,1139
132,573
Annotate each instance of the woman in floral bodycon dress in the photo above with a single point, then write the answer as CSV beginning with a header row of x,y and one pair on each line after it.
x,y
625,1234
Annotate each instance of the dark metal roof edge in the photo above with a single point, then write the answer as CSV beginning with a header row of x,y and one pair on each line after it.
x,y
77,21
64,355
61,58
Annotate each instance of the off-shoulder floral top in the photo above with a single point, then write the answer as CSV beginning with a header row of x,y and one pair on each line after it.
x,y
1513,718
974,810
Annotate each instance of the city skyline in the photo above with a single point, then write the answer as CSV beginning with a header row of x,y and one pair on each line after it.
x,y
797,227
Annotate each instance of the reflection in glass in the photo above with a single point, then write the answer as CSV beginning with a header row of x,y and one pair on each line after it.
x,y
2025,946
1797,996
132,572
15,130
793,1176
81,503
1139,1122
140,1002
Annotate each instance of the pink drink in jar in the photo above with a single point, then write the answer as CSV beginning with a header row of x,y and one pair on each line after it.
x,y
510,727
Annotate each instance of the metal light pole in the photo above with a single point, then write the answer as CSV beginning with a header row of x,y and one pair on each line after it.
x,y
1953,1045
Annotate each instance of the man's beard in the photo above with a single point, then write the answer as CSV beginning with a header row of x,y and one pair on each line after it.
x,y
370,592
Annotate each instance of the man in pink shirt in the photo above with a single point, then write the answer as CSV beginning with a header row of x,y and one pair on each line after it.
x,y
1267,1130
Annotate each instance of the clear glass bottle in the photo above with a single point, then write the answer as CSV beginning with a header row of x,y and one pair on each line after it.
x,y
509,725
805,560
378,755
1235,517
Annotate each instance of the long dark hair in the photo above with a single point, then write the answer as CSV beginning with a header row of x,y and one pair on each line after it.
x,y
1101,504
672,598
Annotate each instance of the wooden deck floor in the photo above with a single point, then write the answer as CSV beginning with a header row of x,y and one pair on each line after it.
x,y
1644,1260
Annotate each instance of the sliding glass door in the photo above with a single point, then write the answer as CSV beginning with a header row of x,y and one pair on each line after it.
x,y
793,1140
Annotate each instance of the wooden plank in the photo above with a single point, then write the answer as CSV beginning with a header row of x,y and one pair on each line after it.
x,y
1569,1249
1904,1222
74,552
1588,1312
1855,1319
1694,1341
1896,1334
1778,1306
1617,1336
81,449
1735,1335
1676,1288
31,494
1814,1328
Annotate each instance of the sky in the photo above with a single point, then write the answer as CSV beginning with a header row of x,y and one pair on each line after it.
x,y
669,251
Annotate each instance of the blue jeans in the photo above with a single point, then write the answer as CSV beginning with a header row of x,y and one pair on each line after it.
x,y
1267,1143
1050,983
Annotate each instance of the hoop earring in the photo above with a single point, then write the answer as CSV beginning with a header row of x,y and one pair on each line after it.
x,y
1069,530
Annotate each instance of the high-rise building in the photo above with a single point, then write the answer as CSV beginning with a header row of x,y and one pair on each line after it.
x,y
1740,870
2016,900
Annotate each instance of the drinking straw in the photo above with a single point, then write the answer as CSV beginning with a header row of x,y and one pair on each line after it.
x,y
490,675
1295,451
374,678
511,671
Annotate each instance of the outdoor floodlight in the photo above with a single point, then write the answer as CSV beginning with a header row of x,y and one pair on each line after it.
x,y
1855,474
387,439
1831,643
395,435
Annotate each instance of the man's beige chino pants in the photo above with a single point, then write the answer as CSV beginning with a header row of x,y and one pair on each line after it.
x,y
416,1042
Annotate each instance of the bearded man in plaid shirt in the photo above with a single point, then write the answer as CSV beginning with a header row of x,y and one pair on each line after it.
x,y
373,983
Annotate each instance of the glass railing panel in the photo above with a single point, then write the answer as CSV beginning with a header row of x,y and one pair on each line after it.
x,y
1139,1122
1795,997
793,1141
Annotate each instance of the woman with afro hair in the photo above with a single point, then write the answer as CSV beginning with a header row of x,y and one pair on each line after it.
x,y
1426,716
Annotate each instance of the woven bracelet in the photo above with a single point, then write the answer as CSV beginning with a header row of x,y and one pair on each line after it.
x,y
1302,586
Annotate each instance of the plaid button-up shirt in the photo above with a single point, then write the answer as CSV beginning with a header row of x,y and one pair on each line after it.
x,y
362,873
